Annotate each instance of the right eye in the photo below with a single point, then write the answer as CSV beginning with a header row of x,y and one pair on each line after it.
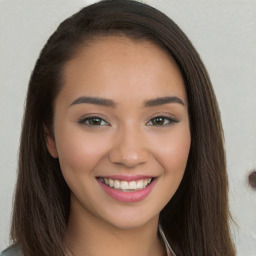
x,y
93,121
162,121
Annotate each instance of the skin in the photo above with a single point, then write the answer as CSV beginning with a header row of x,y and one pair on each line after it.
x,y
127,140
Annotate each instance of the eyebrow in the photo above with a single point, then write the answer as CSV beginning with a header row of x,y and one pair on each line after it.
x,y
94,100
162,101
109,103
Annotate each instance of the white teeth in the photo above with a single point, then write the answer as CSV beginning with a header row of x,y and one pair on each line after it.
x,y
117,184
132,185
111,183
140,184
126,185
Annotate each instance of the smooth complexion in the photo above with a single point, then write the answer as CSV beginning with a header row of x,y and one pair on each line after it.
x,y
121,119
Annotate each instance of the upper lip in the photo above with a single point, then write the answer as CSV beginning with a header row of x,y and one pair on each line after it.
x,y
126,177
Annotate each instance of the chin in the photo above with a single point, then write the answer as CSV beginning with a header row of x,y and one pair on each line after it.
x,y
131,221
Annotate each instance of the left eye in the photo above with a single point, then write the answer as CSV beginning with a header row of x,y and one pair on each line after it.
x,y
93,121
161,121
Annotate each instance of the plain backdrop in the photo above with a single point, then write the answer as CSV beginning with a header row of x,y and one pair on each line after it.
x,y
224,33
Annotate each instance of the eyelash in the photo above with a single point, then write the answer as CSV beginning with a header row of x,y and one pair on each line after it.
x,y
86,120
167,121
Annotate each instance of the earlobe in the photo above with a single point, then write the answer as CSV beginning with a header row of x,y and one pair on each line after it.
x,y
50,143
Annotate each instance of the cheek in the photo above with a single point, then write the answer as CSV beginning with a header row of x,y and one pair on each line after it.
x,y
79,152
173,152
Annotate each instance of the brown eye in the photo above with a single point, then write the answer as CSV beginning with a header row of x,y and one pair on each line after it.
x,y
158,121
161,121
93,121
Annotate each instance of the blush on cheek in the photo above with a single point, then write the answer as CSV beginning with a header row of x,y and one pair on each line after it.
x,y
80,154
175,156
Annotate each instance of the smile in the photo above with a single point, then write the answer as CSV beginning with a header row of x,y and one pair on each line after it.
x,y
126,186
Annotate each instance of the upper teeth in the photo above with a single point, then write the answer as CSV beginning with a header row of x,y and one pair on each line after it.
x,y
126,185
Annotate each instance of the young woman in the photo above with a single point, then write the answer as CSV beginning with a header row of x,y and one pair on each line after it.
x,y
122,148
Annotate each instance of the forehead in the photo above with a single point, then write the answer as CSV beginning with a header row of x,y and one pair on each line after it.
x,y
107,65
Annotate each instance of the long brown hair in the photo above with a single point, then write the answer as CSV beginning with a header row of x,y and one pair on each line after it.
x,y
195,221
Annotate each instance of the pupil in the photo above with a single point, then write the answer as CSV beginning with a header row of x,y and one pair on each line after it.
x,y
159,121
95,121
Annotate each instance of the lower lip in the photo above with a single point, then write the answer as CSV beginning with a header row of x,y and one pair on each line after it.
x,y
122,196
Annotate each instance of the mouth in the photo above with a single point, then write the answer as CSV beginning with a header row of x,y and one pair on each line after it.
x,y
126,186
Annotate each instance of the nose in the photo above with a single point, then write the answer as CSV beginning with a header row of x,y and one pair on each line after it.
x,y
129,149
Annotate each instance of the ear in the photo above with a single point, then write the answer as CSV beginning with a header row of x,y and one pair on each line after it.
x,y
50,142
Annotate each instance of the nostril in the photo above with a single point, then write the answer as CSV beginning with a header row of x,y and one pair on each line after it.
x,y
252,179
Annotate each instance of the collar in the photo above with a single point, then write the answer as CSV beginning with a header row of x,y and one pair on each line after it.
x,y
169,250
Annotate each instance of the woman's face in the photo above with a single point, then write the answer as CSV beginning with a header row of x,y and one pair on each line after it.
x,y
121,131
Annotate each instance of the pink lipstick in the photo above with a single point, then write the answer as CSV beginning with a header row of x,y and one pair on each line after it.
x,y
127,188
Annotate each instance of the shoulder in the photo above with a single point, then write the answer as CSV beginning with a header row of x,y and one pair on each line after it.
x,y
12,251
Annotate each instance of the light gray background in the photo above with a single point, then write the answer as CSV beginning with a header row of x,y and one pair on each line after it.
x,y
223,31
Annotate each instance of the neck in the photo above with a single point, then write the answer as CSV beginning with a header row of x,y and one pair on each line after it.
x,y
86,235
